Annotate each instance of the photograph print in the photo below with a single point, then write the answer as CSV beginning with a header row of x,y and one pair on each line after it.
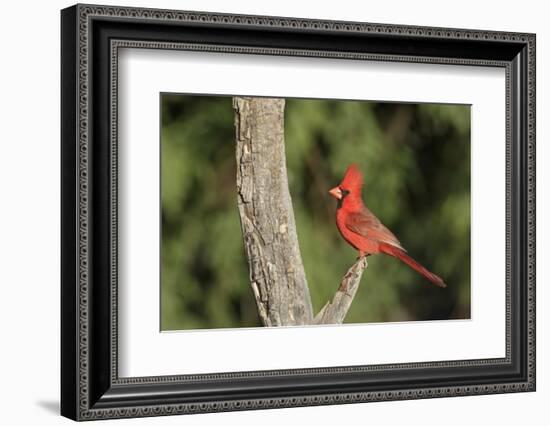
x,y
309,212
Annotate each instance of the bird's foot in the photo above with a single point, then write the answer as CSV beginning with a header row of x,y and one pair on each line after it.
x,y
362,254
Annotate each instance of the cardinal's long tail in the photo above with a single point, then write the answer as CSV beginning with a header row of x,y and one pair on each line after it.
x,y
400,254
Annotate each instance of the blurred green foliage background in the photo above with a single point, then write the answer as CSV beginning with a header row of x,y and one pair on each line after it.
x,y
416,162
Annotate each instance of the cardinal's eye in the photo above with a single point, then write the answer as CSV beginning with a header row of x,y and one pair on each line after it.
x,y
344,192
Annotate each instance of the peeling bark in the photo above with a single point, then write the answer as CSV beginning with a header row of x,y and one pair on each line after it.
x,y
276,271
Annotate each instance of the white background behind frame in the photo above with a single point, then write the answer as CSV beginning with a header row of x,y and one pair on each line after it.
x,y
144,351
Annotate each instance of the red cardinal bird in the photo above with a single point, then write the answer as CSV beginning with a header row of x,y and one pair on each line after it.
x,y
362,229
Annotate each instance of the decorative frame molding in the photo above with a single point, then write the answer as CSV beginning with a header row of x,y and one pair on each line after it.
x,y
91,37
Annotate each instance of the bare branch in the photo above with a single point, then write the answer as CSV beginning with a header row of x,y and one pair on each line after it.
x,y
335,311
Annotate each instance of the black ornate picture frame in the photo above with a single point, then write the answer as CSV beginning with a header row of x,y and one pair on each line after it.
x,y
91,36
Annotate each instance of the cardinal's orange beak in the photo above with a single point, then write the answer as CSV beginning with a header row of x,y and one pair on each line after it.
x,y
336,193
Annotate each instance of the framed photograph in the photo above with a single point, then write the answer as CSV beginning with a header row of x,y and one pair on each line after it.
x,y
263,212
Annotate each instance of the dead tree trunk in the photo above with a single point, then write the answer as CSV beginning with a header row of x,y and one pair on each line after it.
x,y
275,265
267,219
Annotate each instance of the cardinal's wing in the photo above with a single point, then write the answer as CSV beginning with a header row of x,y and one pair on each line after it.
x,y
365,223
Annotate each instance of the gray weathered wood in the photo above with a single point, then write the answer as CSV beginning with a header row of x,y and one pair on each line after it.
x,y
277,274
335,311
276,271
